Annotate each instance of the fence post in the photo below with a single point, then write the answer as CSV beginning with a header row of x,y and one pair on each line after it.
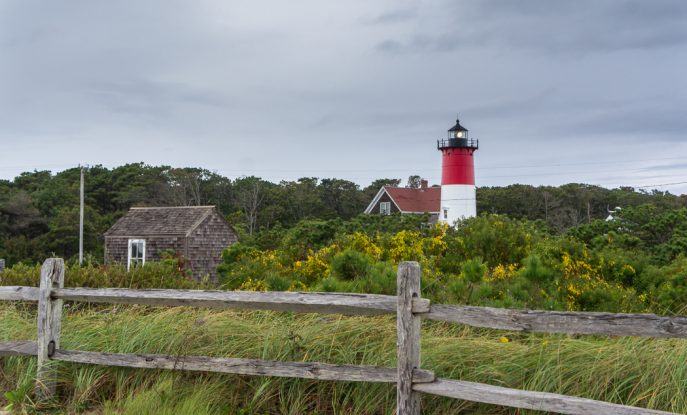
x,y
49,325
408,338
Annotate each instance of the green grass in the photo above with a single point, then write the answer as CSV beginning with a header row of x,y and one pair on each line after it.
x,y
642,372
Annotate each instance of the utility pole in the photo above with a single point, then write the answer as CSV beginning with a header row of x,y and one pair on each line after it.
x,y
81,221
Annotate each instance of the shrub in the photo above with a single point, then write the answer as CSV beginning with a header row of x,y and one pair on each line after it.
x,y
535,270
380,280
163,274
405,246
316,266
474,270
234,253
309,235
332,284
498,239
672,294
451,263
614,299
276,282
351,264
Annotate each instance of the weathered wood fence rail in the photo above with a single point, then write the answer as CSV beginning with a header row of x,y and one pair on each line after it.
x,y
408,306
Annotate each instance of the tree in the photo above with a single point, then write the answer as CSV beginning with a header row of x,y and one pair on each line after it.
x,y
341,198
18,216
249,195
184,186
414,182
300,199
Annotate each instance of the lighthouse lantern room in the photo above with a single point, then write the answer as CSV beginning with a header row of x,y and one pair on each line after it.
x,y
458,198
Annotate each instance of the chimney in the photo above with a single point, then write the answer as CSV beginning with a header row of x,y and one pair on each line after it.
x,y
423,184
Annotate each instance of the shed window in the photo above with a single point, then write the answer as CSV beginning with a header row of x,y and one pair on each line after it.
x,y
137,253
385,208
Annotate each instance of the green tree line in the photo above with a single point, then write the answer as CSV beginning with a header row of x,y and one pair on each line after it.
x,y
39,211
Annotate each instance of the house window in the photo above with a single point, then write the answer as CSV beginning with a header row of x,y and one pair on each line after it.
x,y
445,213
385,208
137,253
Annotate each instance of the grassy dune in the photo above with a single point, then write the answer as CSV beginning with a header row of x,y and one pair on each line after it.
x,y
643,372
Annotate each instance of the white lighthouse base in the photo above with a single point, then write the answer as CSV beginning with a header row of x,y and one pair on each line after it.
x,y
458,201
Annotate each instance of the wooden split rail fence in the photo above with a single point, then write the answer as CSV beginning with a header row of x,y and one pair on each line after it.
x,y
408,306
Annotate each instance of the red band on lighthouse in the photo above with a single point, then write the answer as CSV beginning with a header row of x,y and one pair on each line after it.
x,y
457,166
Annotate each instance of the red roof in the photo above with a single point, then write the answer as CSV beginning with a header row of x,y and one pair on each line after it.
x,y
416,200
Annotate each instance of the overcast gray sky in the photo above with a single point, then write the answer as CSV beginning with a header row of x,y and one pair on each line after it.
x,y
590,91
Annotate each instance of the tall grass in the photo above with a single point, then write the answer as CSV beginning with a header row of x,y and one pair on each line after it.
x,y
643,372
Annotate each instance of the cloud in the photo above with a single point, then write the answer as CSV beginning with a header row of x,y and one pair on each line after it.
x,y
153,97
645,124
550,27
394,16
676,167
330,87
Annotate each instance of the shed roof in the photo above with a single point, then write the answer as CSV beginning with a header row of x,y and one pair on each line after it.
x,y
142,221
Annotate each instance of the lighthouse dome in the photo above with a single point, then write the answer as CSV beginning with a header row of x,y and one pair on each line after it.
x,y
457,127
458,131
458,138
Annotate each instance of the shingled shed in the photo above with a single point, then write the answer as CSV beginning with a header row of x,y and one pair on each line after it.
x,y
199,233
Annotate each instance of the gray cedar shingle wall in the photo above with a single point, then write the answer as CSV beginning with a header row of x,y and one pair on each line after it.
x,y
118,247
206,243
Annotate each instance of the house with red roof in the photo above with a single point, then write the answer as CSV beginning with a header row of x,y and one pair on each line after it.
x,y
406,200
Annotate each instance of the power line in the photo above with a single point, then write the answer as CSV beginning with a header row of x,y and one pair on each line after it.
x,y
515,177
579,172
661,185
605,162
425,169
523,166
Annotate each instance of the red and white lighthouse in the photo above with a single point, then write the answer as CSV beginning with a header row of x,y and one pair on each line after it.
x,y
458,199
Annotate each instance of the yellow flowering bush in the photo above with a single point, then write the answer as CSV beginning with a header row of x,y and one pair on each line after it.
x,y
406,246
269,259
578,277
502,272
585,288
253,285
363,243
435,245
317,264
490,260
297,286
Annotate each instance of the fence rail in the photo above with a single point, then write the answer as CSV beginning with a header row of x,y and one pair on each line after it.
x,y
18,349
365,304
608,324
19,293
408,306
538,401
303,370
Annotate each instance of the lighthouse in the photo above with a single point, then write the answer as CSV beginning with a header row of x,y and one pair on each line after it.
x,y
458,199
